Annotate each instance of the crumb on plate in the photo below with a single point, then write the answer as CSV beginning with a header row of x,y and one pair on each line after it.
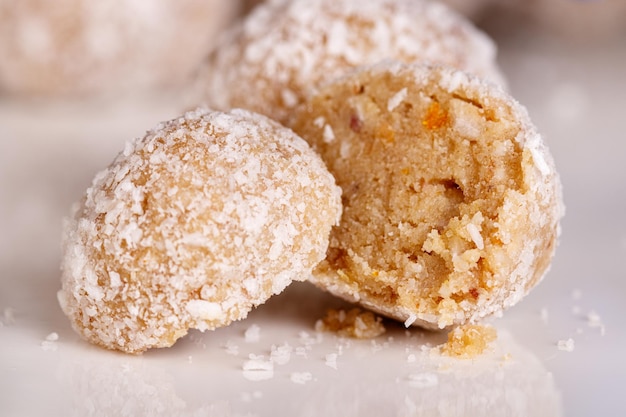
x,y
355,323
468,341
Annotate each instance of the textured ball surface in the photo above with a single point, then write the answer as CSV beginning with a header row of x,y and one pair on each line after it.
x,y
192,226
284,50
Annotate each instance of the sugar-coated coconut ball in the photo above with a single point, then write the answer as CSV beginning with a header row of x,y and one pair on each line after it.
x,y
285,50
192,226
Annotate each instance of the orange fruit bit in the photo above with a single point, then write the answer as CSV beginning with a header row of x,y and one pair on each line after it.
x,y
436,117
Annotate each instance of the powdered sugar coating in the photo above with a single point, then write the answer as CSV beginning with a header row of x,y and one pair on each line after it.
x,y
105,46
285,50
192,226
452,201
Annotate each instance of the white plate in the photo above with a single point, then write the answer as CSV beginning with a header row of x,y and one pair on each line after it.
x,y
49,153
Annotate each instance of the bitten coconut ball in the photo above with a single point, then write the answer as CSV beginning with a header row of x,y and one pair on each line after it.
x,y
284,50
84,47
451,198
192,226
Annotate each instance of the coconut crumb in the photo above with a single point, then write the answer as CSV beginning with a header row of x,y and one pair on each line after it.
x,y
468,341
544,315
301,351
577,294
331,360
257,363
281,354
252,334
376,347
301,377
231,348
423,380
566,345
594,320
257,368
308,341
354,323
49,344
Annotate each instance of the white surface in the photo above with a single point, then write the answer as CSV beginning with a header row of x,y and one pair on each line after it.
x,y
577,97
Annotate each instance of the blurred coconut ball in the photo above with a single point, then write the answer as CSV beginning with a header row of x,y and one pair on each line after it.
x,y
83,47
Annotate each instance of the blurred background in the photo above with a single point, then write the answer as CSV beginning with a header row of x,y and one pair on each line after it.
x,y
79,78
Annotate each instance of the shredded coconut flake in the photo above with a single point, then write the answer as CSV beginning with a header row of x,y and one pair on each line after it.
x,y
280,355
329,135
474,233
408,322
257,363
204,310
52,337
566,345
594,321
257,368
331,360
301,351
397,99
540,161
252,334
319,122
301,377
50,342
423,380
231,348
